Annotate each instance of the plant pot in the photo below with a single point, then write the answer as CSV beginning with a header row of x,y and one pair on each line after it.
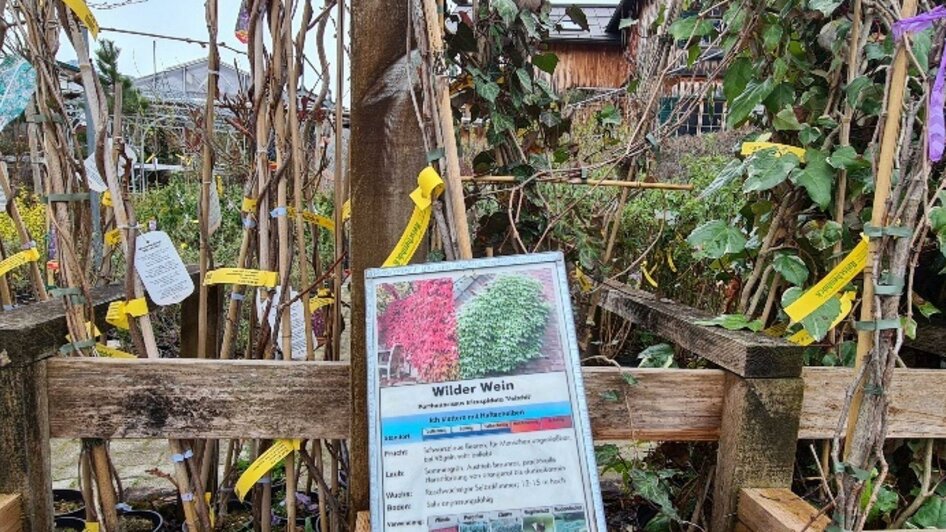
x,y
70,524
233,506
70,496
153,518
300,521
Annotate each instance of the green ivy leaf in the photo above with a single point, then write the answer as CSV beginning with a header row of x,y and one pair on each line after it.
x,y
843,157
577,16
501,123
825,6
927,309
766,169
648,485
609,115
629,378
817,177
732,322
488,90
731,171
938,218
931,515
736,78
743,104
716,238
545,62
684,28
822,234
656,356
610,396
506,9
818,323
785,120
525,79
791,267
771,37
909,327
809,135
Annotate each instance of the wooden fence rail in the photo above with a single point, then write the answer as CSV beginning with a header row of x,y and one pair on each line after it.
x,y
755,411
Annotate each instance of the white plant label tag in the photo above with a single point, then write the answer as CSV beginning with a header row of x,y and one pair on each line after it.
x,y
161,269
296,320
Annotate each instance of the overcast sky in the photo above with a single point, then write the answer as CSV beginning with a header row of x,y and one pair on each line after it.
x,y
185,18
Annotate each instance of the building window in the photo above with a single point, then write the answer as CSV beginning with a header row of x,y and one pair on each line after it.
x,y
706,117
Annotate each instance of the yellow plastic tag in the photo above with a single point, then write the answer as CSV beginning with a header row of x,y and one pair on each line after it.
x,y
209,496
107,199
647,274
836,279
847,303
91,526
90,329
748,148
263,464
219,182
111,352
346,210
248,205
118,311
113,237
318,302
19,259
585,283
241,276
85,15
314,219
429,187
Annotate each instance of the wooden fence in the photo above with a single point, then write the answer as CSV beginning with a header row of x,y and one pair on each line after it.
x,y
756,406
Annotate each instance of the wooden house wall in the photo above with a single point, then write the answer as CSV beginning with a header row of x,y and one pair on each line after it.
x,y
588,65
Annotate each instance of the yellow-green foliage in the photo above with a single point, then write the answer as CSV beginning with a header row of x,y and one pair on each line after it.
x,y
33,214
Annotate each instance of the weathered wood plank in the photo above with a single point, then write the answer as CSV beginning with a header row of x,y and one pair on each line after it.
x,y
912,414
11,513
757,441
191,398
744,353
664,404
363,522
778,510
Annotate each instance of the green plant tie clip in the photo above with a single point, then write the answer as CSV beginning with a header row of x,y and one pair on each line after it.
x,y
78,196
74,293
76,346
895,231
878,325
435,155
584,174
889,286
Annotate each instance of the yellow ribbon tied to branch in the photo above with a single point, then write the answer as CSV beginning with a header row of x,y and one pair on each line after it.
x,y
324,298
748,148
266,461
849,267
85,15
111,352
346,210
241,276
429,188
314,219
118,311
19,259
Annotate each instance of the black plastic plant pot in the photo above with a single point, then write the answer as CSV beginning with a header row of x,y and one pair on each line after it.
x,y
69,524
154,518
70,496
233,506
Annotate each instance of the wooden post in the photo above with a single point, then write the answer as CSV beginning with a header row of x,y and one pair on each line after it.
x,y
24,437
758,435
386,155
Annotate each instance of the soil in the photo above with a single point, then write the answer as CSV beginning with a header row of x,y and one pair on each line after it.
x,y
235,521
65,507
134,524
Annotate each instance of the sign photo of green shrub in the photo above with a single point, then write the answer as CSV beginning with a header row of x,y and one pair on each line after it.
x,y
502,328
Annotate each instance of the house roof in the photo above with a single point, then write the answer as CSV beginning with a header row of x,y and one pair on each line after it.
x,y
599,16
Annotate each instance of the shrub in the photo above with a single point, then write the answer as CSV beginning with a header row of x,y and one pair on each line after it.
x,y
424,324
502,328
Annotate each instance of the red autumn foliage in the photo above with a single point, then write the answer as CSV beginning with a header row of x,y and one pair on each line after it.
x,y
424,324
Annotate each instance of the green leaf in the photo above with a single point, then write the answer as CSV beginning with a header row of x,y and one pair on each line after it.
x,y
786,120
684,28
656,356
488,90
577,16
817,177
732,322
843,157
648,485
609,115
938,218
736,78
716,238
809,135
927,309
743,104
931,515
766,169
607,455
771,37
825,6
791,267
818,323
629,378
501,122
909,327
552,119
731,171
627,23
525,79
545,62
610,396
783,94
822,234
506,9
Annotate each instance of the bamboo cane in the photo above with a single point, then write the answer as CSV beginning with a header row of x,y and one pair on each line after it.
x,y
103,477
32,134
885,162
36,276
207,163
